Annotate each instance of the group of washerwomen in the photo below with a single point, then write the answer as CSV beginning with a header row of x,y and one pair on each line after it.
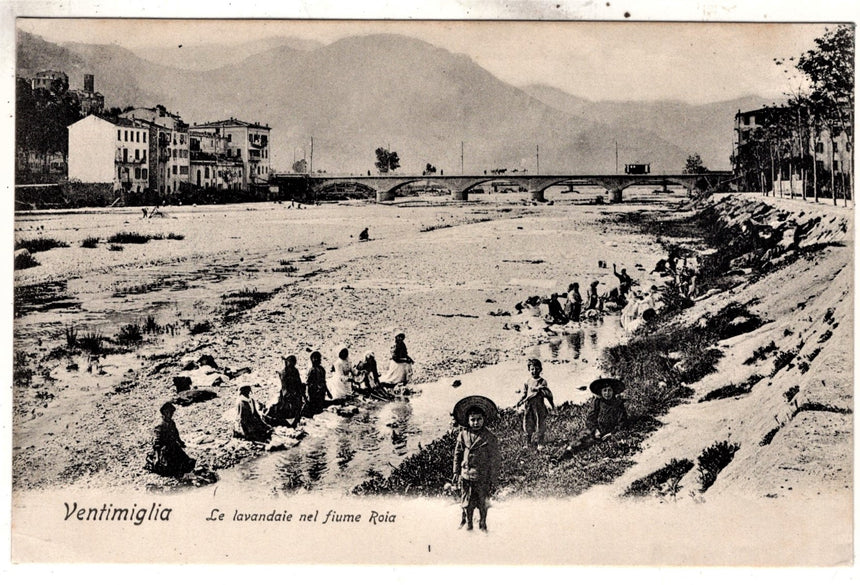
x,y
573,310
296,399
477,457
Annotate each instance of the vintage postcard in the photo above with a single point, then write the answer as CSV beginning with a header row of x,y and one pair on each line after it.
x,y
389,292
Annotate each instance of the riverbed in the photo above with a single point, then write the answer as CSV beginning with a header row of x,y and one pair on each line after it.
x,y
447,274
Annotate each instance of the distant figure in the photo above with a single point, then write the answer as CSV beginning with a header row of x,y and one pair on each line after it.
x,y
477,458
145,213
574,302
400,366
367,377
536,395
249,424
624,280
364,235
168,457
291,399
592,299
341,382
316,384
556,313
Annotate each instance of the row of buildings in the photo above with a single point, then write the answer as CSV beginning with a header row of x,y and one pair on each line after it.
x,y
152,149
784,164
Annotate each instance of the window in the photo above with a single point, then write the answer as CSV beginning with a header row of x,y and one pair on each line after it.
x,y
119,134
174,139
182,139
206,172
124,155
819,147
174,169
238,152
229,138
137,136
126,134
174,153
144,137
136,154
836,166
835,146
183,170
137,172
144,173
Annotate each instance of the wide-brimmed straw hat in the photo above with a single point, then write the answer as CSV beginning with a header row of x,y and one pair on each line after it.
x,y
482,403
599,384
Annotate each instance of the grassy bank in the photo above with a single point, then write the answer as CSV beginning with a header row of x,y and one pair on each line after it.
x,y
657,366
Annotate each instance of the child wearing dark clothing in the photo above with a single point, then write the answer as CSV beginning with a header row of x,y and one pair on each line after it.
x,y
607,416
477,458
168,455
608,412
316,384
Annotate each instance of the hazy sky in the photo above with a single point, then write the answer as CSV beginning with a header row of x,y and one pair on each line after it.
x,y
693,62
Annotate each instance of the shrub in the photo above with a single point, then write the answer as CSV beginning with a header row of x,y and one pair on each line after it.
x,y
34,245
90,242
22,375
150,325
766,440
243,300
664,480
713,460
71,334
24,261
732,390
783,358
91,342
129,238
201,327
130,334
761,353
115,248
172,236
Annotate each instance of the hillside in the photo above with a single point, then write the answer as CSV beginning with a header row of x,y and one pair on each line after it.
x,y
363,92
707,129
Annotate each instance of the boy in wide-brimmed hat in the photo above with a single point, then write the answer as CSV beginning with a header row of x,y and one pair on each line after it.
x,y
476,457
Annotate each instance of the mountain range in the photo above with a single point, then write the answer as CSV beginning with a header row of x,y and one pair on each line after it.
x,y
426,103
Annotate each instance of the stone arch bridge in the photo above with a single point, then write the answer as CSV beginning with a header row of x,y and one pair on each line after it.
x,y
386,186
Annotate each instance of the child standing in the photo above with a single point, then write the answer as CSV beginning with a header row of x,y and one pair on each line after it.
x,y
535,391
477,459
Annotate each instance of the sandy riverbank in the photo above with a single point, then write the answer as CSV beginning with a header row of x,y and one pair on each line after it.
x,y
433,269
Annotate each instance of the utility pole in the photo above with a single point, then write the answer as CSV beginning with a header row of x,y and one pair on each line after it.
x,y
461,157
312,156
537,157
616,157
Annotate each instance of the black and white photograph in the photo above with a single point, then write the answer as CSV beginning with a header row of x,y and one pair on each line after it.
x,y
407,291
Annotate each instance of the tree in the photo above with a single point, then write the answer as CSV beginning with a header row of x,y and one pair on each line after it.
x,y
829,70
694,166
386,160
300,166
429,169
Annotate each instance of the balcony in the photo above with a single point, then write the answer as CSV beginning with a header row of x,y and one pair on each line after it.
x,y
130,160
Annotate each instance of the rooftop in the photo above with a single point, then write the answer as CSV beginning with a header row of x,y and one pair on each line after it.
x,y
231,123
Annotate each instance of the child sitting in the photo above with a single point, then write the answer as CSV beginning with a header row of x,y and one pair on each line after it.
x,y
477,458
606,416
535,391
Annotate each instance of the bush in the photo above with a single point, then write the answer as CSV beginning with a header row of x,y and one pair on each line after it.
x,y
130,334
115,248
22,375
664,480
713,460
732,390
201,327
24,261
91,342
129,238
761,353
172,236
34,245
71,334
90,242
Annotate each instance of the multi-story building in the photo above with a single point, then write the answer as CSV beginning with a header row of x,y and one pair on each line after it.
x,y
247,142
102,150
45,79
832,155
211,167
171,147
92,102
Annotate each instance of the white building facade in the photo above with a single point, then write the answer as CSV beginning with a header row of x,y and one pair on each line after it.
x,y
246,142
103,151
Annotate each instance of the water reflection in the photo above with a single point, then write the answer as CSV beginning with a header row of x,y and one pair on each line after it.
x,y
574,342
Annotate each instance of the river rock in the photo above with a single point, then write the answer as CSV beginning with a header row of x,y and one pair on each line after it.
x,y
182,383
207,360
191,396
189,365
